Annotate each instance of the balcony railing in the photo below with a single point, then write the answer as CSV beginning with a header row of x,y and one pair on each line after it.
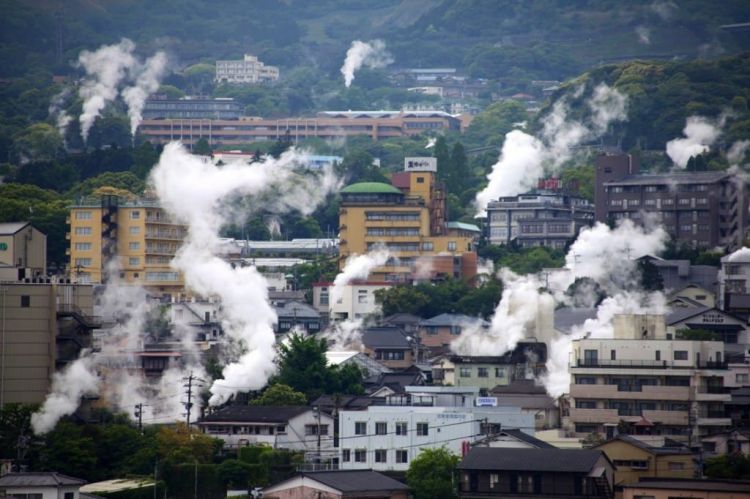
x,y
647,364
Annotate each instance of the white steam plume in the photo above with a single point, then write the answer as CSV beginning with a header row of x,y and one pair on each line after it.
x,y
700,134
68,386
737,151
664,9
371,54
643,34
345,335
57,111
199,194
358,267
146,83
105,69
606,256
523,158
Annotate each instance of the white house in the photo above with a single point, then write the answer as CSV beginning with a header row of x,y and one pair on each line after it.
x,y
281,427
41,485
357,299
388,437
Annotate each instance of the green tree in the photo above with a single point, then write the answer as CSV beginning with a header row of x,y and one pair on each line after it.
x,y
145,156
650,277
303,365
235,473
180,444
69,451
202,148
430,474
280,394
37,142
458,175
401,299
443,156
15,423
733,466
489,127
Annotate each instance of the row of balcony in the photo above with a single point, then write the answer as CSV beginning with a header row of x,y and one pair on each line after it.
x,y
649,364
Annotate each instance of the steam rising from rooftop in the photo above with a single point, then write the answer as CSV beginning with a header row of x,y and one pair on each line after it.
x,y
199,194
358,267
700,134
524,158
371,54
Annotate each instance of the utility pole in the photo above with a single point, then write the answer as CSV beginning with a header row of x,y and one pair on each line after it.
x,y
139,415
189,404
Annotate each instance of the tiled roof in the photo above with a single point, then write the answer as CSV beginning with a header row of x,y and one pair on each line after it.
x,y
356,480
255,414
549,460
41,479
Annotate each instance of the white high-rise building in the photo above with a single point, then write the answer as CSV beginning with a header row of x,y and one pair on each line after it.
x,y
247,70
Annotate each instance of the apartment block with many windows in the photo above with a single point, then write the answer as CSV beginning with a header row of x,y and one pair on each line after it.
x,y
246,70
132,237
645,378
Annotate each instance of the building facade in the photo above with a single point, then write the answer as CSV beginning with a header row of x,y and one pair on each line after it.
x,y
700,209
539,218
23,251
134,238
326,125
642,377
161,107
408,219
45,325
246,70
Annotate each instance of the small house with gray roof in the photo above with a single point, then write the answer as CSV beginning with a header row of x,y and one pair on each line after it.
x,y
342,484
437,333
41,485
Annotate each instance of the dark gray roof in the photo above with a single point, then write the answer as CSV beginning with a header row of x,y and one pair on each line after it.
x,y
648,448
356,480
520,387
452,320
688,484
38,479
255,413
738,300
297,309
516,356
566,318
671,178
385,337
680,314
552,460
348,402
401,318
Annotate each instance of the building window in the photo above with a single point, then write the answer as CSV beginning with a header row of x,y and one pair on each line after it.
x,y
281,429
83,262
585,404
401,429
428,246
494,480
360,455
465,372
83,215
360,428
673,466
83,246
423,429
680,355
613,355
402,456
499,372
585,380
451,245
483,372
25,301
134,245
84,231
362,296
381,428
658,355
134,260
741,378
134,231
420,180
346,455
312,429
381,455
135,215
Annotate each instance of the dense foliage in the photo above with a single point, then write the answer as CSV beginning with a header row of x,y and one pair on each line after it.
x,y
430,474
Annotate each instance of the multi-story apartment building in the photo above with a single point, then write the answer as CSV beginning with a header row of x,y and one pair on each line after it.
x,y
734,283
326,125
247,70
408,218
44,325
388,437
133,237
701,209
538,218
642,376
161,107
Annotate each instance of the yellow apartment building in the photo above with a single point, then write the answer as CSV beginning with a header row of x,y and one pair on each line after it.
x,y
408,218
135,236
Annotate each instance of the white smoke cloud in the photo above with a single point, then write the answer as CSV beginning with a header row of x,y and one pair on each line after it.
x,y
105,69
345,335
371,54
199,194
741,255
524,158
358,267
643,34
58,113
700,134
146,83
68,386
664,9
737,151
606,256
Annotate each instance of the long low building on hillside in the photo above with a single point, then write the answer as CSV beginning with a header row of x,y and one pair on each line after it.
x,y
326,125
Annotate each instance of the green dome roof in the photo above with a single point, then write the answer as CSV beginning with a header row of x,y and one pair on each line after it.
x,y
370,188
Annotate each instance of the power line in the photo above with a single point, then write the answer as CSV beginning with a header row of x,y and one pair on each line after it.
x,y
189,404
